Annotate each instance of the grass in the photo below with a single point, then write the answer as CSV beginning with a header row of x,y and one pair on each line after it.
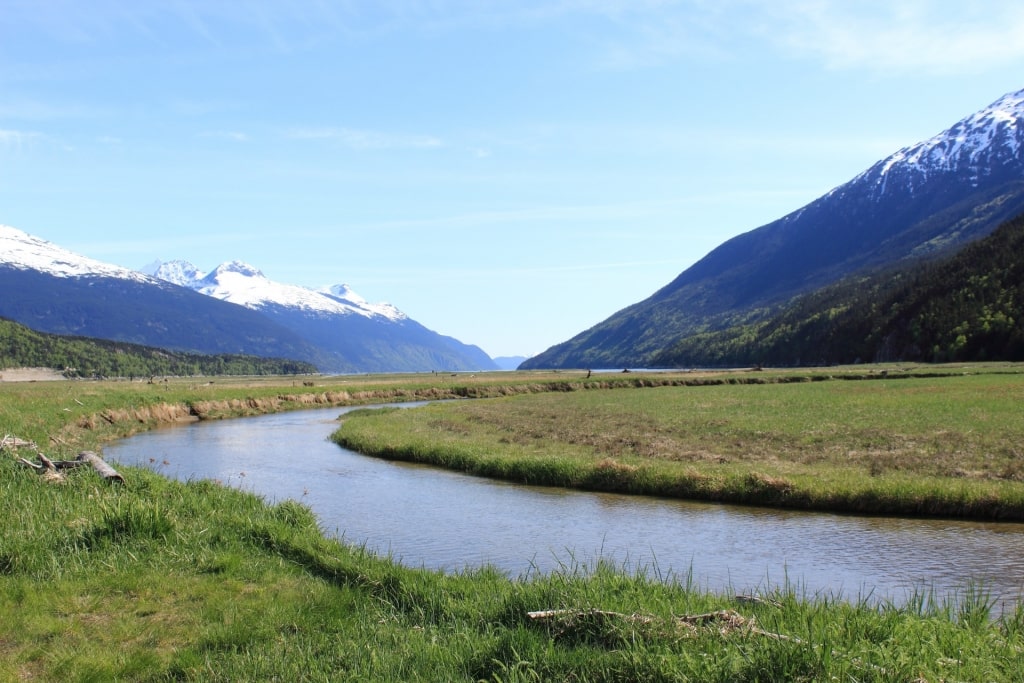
x,y
170,581
159,580
946,445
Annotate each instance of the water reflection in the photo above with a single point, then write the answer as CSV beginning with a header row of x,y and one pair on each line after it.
x,y
439,519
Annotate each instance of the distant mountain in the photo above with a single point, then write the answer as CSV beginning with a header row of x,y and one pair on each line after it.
x,y
966,307
50,289
923,201
355,336
231,310
509,362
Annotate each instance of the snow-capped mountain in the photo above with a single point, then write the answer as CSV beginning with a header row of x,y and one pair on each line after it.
x,y
245,285
979,146
924,200
232,309
51,289
357,335
23,251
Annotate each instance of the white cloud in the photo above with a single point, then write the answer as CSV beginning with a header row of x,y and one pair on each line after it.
x,y
17,138
366,139
900,35
35,110
233,135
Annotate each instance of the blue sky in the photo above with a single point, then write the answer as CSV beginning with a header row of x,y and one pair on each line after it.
x,y
506,172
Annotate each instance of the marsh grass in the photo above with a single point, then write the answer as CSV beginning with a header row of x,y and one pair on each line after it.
x,y
161,580
164,580
926,446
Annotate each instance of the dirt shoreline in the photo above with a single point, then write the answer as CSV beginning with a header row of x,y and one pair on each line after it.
x,y
30,375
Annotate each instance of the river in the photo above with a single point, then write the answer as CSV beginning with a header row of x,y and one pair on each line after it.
x,y
423,516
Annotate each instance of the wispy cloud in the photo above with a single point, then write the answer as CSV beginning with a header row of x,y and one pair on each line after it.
x,y
901,35
875,34
627,212
17,138
366,139
883,35
36,110
232,135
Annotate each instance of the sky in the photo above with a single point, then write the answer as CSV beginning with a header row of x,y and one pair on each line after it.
x,y
507,172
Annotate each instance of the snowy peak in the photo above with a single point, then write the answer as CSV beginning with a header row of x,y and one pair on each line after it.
x,y
343,294
240,283
980,145
340,292
235,268
26,252
181,273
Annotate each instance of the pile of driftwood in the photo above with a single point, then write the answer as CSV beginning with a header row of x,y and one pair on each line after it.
x,y
567,622
54,470
724,621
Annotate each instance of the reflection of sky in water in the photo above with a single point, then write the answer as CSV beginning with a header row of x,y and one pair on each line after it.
x,y
441,519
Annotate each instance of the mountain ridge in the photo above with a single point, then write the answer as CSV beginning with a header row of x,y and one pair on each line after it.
x,y
243,284
51,289
961,308
920,202
358,336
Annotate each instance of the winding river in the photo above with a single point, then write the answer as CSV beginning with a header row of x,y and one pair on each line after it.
x,y
422,516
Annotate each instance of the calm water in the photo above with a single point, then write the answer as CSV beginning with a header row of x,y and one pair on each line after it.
x,y
438,519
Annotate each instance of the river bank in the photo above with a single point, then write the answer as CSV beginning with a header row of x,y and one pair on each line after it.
x,y
917,445
163,580
907,440
439,519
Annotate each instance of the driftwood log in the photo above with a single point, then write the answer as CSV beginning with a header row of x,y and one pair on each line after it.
x,y
14,443
54,469
726,621
100,465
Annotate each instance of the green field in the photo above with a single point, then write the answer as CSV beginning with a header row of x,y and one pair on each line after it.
x,y
158,580
907,444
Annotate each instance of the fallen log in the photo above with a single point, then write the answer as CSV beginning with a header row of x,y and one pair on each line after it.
x,y
753,599
542,615
46,468
31,464
12,442
727,621
100,465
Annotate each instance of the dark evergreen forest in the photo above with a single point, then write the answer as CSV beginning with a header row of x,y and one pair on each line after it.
x,y
21,346
967,307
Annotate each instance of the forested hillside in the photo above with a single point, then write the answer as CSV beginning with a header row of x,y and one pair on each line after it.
x,y
925,200
968,307
86,357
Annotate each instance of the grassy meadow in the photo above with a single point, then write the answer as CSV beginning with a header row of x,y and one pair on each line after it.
x,y
158,580
897,444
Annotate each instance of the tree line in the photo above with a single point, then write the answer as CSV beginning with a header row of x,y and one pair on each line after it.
x,y
965,307
76,356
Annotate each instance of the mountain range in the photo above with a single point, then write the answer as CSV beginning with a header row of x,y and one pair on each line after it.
x,y
233,309
357,336
924,201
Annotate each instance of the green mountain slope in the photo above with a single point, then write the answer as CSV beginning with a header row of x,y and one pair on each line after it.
x,y
21,346
925,200
967,307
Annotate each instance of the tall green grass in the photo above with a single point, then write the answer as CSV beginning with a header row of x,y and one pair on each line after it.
x,y
160,580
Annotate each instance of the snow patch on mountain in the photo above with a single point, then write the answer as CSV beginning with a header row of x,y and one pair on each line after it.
x,y
26,252
974,146
344,295
245,285
181,273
